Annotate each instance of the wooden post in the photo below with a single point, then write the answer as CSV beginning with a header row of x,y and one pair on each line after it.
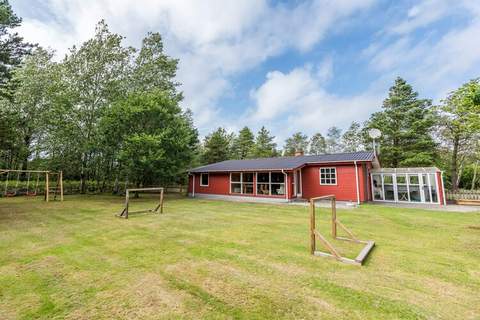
x,y
312,227
334,218
61,185
47,187
161,200
127,196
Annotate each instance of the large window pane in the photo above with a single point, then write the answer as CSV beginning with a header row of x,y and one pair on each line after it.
x,y
387,179
402,192
248,177
263,188
433,184
426,189
377,187
413,179
248,188
401,179
236,177
278,177
278,189
263,177
415,193
236,188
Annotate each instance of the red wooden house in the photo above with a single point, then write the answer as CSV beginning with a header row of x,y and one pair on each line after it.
x,y
348,176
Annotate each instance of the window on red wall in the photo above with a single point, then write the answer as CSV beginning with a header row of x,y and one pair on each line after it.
x,y
270,183
241,182
204,179
328,176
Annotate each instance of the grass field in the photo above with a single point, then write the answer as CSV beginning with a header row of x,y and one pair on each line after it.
x,y
215,260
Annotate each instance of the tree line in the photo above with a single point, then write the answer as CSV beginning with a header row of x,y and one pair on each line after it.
x,y
106,112
109,114
415,133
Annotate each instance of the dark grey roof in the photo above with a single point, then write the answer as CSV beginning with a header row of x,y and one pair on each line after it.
x,y
286,163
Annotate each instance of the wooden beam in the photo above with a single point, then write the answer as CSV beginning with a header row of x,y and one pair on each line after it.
x,y
358,261
327,244
341,259
47,187
365,251
61,185
337,222
312,227
334,217
161,200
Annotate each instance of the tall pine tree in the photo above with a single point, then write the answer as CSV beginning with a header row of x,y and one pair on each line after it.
x,y
352,138
406,123
334,140
217,146
318,144
243,145
12,47
297,142
264,145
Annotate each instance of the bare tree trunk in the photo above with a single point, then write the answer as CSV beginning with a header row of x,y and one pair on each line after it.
x,y
82,175
474,179
454,165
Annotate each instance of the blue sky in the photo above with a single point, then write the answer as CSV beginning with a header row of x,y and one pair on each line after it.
x,y
291,66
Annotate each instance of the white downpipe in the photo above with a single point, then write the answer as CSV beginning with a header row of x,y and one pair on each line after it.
x,y
443,189
356,182
286,184
193,186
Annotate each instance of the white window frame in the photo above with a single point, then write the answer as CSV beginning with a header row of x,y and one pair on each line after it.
x,y
421,184
201,180
241,182
320,176
284,183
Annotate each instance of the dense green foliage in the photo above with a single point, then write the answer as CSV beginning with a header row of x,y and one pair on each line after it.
x,y
318,145
298,142
217,146
459,123
105,113
243,145
264,144
406,123
12,46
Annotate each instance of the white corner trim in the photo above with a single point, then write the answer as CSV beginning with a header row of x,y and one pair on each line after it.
x,y
356,182
443,189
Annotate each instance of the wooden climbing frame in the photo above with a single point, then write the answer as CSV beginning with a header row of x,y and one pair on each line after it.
x,y
48,189
332,252
125,212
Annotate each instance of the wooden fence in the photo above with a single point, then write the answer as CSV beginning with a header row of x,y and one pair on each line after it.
x,y
463,194
73,187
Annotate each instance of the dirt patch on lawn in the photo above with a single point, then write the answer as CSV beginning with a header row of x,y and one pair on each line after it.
x,y
146,297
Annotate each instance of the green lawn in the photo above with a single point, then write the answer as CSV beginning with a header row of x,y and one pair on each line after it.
x,y
215,260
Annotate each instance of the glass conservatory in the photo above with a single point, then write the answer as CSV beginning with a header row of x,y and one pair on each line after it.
x,y
414,185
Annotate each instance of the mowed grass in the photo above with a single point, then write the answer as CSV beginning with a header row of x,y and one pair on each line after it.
x,y
215,260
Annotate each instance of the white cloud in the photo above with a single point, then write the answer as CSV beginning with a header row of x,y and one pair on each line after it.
x,y
214,39
422,14
298,101
436,64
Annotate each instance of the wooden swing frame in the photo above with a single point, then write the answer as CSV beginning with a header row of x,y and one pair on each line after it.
x,y
332,252
58,187
125,212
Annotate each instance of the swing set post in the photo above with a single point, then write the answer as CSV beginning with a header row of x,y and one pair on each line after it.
x,y
58,187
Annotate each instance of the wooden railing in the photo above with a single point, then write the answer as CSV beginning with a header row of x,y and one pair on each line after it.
x,y
463,194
